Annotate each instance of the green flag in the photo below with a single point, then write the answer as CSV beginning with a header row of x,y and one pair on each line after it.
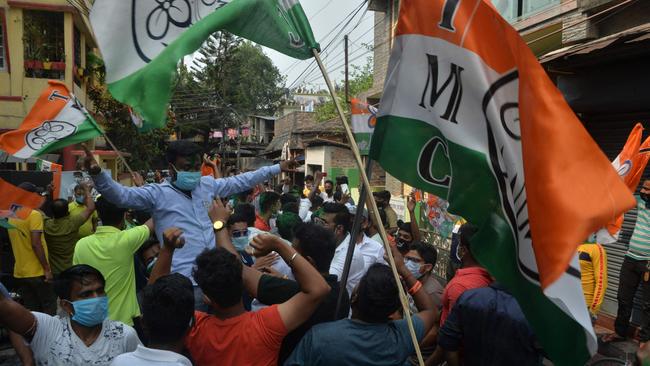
x,y
143,41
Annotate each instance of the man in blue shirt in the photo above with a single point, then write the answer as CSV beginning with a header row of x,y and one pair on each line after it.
x,y
183,200
370,337
489,326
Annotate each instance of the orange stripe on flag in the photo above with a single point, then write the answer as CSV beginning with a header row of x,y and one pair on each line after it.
x,y
45,109
17,202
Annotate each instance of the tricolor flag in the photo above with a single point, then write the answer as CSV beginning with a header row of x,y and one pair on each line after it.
x,y
364,119
56,170
142,41
469,115
56,120
16,202
629,165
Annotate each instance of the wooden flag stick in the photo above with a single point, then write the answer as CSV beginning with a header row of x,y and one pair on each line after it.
x,y
119,154
372,205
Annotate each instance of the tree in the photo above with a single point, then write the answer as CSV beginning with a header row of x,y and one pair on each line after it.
x,y
360,80
229,80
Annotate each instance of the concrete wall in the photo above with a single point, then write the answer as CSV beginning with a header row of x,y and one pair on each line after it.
x,y
19,93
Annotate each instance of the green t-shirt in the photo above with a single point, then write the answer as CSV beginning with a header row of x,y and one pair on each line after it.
x,y
87,228
110,251
61,236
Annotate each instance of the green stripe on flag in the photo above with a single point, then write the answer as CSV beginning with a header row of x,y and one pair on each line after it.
x,y
281,25
474,192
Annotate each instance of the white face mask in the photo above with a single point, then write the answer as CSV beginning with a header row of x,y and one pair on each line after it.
x,y
413,267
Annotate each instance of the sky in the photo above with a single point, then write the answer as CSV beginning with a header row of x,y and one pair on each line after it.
x,y
324,15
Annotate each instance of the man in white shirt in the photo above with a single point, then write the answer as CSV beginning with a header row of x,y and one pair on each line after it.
x,y
337,218
167,311
372,251
85,337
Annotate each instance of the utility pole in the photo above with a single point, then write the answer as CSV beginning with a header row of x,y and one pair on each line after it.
x,y
347,82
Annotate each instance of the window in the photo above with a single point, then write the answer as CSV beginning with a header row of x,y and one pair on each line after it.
x,y
514,10
76,35
3,41
44,45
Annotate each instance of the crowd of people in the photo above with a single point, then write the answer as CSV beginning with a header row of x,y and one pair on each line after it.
x,y
201,269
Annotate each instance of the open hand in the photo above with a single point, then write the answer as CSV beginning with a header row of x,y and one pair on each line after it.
x,y
399,261
266,261
173,238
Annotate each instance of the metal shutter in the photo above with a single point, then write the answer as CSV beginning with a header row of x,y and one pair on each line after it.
x,y
610,133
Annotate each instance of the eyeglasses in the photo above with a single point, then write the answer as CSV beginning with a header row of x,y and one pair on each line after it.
x,y
239,233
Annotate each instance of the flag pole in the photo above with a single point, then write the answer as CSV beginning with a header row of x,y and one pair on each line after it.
x,y
101,130
372,205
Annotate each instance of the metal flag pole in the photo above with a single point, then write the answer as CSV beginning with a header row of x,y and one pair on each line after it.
x,y
373,205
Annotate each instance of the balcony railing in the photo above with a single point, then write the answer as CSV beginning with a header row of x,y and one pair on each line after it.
x,y
515,10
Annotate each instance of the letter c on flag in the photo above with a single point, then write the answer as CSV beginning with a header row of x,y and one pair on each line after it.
x,y
425,161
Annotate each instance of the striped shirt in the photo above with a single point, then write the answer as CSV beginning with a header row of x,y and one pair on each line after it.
x,y
640,241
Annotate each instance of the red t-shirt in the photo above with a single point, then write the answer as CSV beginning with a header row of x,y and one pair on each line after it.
x,y
261,224
253,338
465,279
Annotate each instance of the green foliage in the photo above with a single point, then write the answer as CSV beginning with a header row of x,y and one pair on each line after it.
x,y
229,79
146,149
360,80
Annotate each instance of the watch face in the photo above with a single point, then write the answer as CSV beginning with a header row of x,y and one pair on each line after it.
x,y
218,225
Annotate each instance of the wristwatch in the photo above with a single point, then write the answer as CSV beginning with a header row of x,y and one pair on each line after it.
x,y
218,225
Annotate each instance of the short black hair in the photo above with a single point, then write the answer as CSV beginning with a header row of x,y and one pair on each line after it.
x,y
147,244
291,207
385,195
309,177
219,274
245,212
288,198
167,308
109,214
317,243
316,201
286,223
81,273
243,195
267,200
342,216
329,181
182,148
428,252
238,217
406,226
60,208
467,231
377,294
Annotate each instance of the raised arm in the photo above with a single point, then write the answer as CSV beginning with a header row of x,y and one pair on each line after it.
x,y
225,187
415,230
318,176
88,202
426,309
313,287
172,240
16,318
139,198
251,276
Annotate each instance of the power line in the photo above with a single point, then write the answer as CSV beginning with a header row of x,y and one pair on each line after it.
x,y
354,14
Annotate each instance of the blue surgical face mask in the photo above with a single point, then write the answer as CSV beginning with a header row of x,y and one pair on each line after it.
x,y
413,267
187,181
240,243
80,199
90,312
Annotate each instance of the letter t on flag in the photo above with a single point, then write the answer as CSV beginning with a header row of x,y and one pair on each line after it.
x,y
469,115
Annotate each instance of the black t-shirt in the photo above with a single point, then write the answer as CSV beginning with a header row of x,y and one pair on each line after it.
x,y
272,290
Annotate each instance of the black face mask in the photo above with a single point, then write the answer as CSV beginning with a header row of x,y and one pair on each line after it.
x,y
329,191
